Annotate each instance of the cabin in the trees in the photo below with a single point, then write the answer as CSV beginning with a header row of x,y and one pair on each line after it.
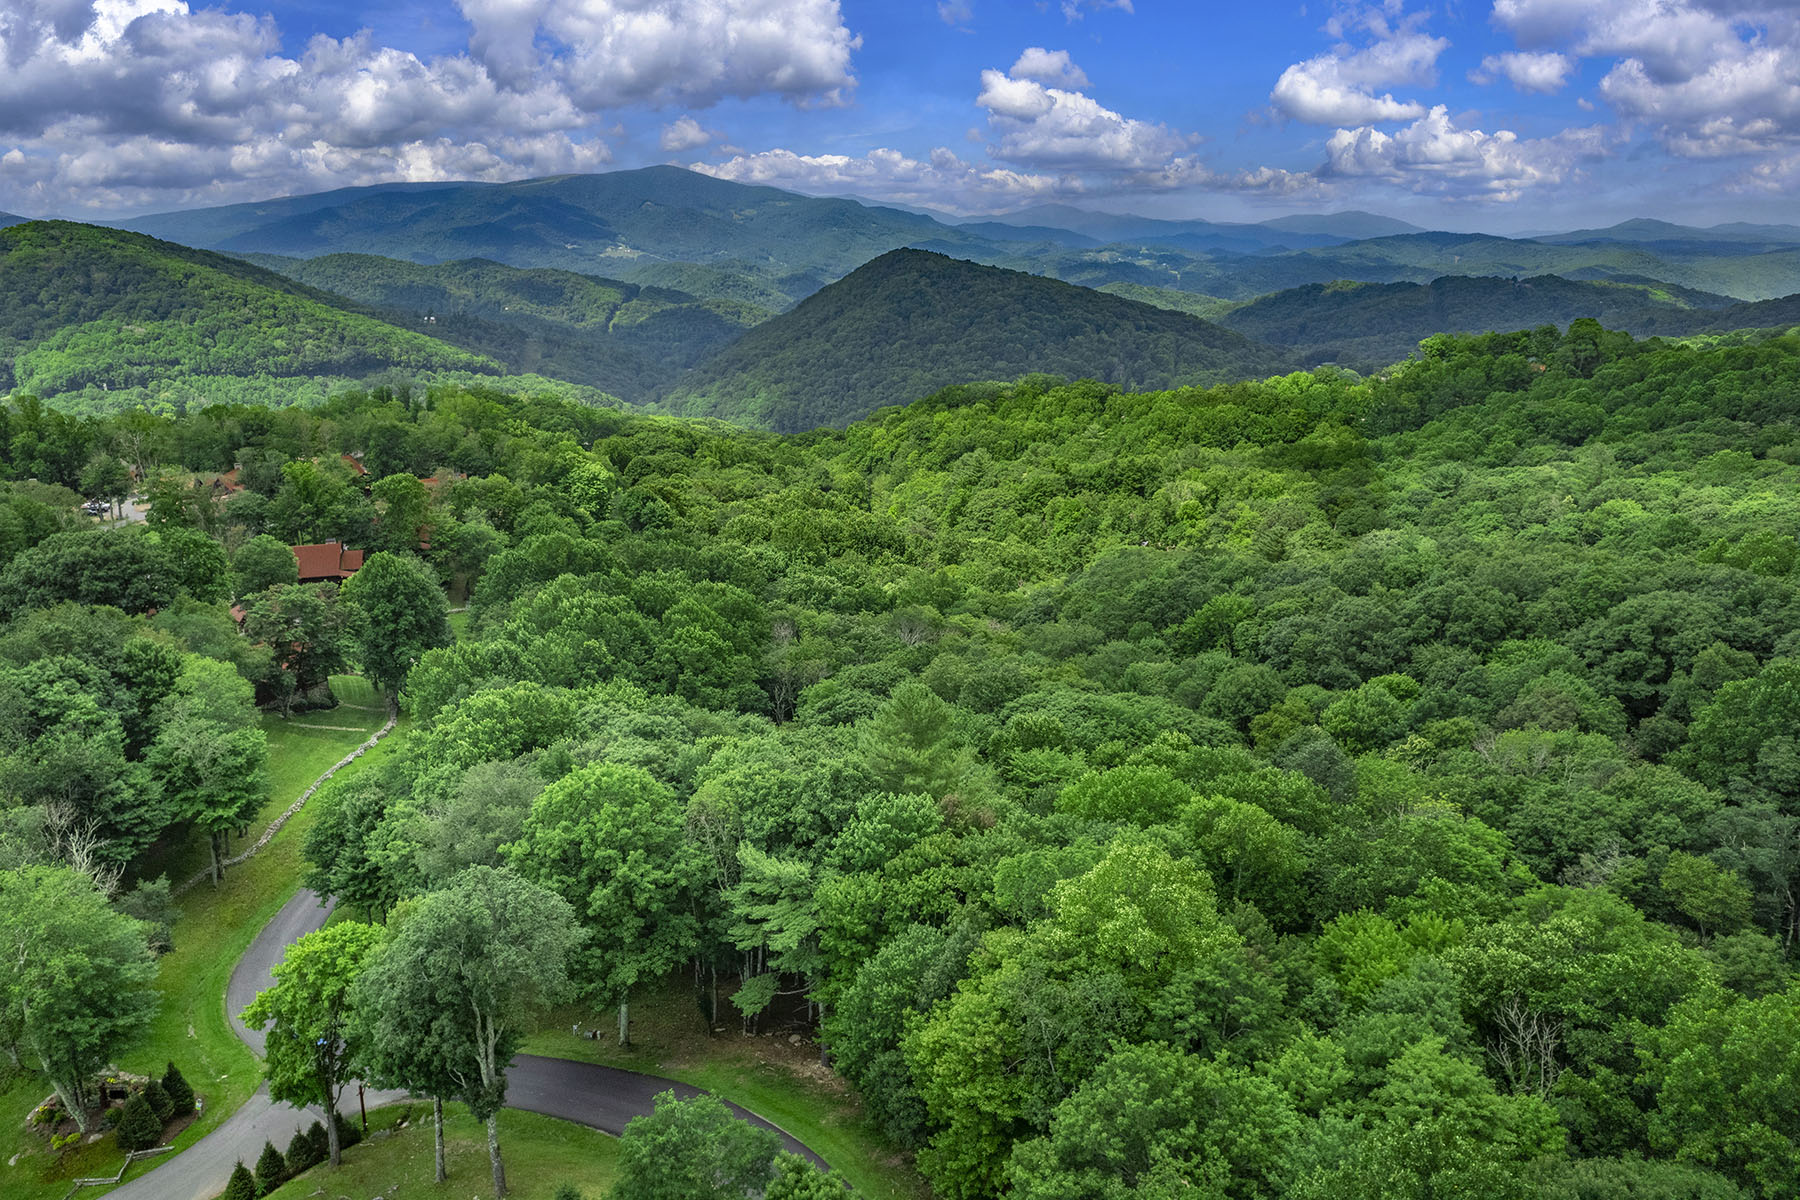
x,y
327,562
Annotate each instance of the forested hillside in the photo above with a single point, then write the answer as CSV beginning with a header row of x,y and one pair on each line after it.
x,y
912,322
628,340
1315,787
111,319
1368,326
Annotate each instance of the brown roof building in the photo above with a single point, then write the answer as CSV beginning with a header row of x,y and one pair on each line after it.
x,y
327,560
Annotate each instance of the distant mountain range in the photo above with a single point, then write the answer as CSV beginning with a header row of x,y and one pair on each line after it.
x,y
699,296
715,239
912,322
640,226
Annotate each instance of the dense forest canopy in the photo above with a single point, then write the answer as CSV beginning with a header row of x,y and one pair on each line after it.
x,y
1319,787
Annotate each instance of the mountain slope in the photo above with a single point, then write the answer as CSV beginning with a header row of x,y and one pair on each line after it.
x,y
86,308
911,322
609,224
1367,325
628,340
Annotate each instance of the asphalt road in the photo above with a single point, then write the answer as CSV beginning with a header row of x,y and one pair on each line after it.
x,y
604,1098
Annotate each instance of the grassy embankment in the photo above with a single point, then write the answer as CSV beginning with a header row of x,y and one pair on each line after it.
x,y
779,1081
541,1154
214,929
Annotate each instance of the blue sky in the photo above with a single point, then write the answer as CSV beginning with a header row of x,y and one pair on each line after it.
x,y
1475,114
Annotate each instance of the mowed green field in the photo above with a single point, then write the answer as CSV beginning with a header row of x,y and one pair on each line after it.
x,y
541,1154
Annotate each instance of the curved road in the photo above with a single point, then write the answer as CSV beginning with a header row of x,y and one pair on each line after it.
x,y
604,1098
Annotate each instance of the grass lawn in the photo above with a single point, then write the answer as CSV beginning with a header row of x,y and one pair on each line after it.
x,y
212,933
541,1154
781,1082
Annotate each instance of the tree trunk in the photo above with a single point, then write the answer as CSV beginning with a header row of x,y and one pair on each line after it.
x,y
715,995
71,1099
331,1135
213,837
437,1117
493,1130
624,1022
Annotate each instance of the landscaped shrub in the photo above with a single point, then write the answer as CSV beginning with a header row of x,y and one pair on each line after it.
x,y
271,1170
307,1149
349,1132
160,1103
138,1127
181,1096
568,1191
242,1185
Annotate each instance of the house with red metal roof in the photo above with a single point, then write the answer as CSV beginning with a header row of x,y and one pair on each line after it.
x,y
325,561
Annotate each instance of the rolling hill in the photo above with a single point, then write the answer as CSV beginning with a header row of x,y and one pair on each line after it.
x,y
626,339
1368,325
912,322
100,315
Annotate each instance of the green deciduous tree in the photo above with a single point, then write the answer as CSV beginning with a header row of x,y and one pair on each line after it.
x,y
693,1149
76,986
261,563
402,613
312,1051
610,840
463,976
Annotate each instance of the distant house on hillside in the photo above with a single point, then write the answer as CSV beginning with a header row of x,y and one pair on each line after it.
x,y
327,561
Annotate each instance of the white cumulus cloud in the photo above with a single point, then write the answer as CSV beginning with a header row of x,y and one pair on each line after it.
x,y
942,180
1711,78
1339,87
122,104
1053,67
693,52
1434,154
1543,71
683,133
1052,128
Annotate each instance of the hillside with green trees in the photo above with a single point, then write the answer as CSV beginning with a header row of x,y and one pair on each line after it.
x,y
97,312
912,322
628,340
1366,325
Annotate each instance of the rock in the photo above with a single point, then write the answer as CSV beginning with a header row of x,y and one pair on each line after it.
x,y
793,1039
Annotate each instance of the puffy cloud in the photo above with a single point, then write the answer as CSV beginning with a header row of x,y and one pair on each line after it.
x,y
111,104
942,180
1541,71
612,52
1710,77
1053,67
1433,154
1057,129
684,134
1073,10
1338,88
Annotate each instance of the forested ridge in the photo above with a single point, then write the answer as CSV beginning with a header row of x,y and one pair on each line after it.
x,y
911,322
84,309
1316,787
628,340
